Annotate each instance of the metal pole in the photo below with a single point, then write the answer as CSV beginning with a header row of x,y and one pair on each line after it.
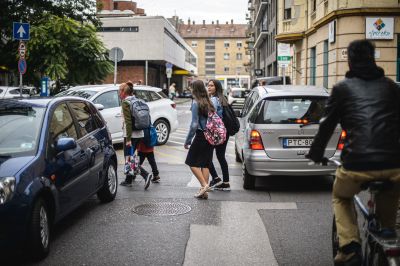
x,y
147,70
115,66
283,75
169,81
20,85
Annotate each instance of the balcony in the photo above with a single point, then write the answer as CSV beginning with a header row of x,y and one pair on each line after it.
x,y
261,37
287,25
260,11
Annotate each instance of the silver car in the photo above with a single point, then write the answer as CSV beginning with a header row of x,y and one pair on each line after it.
x,y
277,127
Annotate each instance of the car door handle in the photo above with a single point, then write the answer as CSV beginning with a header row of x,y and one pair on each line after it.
x,y
118,115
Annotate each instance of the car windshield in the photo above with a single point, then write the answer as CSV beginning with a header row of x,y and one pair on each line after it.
x,y
20,125
238,94
79,93
299,110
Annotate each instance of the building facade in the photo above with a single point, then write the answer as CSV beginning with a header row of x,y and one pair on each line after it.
x,y
220,50
148,44
261,33
320,31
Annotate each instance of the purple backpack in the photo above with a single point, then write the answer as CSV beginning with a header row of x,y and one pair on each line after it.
x,y
215,131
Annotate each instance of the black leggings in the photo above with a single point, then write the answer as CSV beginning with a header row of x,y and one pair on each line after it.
x,y
220,151
152,161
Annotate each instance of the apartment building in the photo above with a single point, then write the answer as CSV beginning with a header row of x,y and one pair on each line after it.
x,y
261,33
320,31
220,50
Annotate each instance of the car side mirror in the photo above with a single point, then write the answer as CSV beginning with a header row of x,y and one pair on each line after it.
x,y
65,144
238,113
99,106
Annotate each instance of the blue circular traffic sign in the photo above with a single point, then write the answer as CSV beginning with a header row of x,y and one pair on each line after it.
x,y
22,66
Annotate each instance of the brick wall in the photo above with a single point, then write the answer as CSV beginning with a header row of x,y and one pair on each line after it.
x,y
107,4
133,73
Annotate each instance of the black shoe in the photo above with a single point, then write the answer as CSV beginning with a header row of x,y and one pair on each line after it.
x,y
215,182
223,186
156,179
126,184
147,181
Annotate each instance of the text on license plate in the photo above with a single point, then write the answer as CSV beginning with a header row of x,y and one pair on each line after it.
x,y
289,143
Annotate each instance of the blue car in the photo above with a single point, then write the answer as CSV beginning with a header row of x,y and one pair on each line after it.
x,y
54,155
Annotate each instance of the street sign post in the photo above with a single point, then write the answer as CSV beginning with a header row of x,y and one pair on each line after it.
x,y
116,54
22,66
284,58
21,31
22,50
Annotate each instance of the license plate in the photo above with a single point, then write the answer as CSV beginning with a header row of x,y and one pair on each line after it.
x,y
293,143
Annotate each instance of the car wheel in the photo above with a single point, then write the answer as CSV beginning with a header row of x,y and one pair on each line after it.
x,y
238,159
163,131
109,189
39,231
249,181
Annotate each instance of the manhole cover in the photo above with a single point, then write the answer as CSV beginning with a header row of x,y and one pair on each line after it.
x,y
162,209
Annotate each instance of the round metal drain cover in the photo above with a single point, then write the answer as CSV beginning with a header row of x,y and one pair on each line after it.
x,y
162,209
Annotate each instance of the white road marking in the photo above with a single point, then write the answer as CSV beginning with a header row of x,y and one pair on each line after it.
x,y
241,237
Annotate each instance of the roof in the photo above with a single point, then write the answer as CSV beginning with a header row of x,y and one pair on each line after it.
x,y
99,88
292,90
213,30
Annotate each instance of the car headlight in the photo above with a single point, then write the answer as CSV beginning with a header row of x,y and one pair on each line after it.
x,y
7,188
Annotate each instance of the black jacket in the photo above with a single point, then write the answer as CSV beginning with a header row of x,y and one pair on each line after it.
x,y
369,112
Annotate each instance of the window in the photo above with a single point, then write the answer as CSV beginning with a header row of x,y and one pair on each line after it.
x,y
212,66
226,44
210,41
108,99
238,70
287,12
313,5
312,65
226,69
210,72
210,60
154,96
239,44
194,43
210,53
326,63
226,56
85,119
239,56
143,95
61,125
248,104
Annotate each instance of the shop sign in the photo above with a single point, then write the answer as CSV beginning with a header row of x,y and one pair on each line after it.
x,y
379,28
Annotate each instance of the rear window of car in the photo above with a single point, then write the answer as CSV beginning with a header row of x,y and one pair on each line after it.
x,y
238,94
296,110
162,94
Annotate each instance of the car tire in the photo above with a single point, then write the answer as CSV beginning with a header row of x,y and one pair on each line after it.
x,y
109,189
249,181
39,231
163,131
237,156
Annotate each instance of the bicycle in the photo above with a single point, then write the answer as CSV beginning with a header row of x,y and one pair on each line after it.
x,y
380,247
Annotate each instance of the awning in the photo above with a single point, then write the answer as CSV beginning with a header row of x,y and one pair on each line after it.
x,y
182,72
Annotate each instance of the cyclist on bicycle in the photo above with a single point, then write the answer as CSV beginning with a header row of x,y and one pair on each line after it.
x,y
367,106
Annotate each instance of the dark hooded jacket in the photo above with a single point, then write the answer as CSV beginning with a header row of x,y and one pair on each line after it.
x,y
367,106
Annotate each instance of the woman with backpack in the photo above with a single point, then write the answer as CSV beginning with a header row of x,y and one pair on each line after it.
x,y
216,92
200,152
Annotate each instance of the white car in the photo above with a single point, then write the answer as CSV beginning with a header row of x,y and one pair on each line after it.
x,y
236,97
14,92
162,110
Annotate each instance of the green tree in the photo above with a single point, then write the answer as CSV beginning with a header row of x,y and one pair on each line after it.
x,y
67,51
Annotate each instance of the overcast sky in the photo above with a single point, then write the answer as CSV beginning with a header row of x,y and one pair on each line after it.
x,y
210,10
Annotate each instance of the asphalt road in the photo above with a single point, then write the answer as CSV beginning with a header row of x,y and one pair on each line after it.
x,y
285,221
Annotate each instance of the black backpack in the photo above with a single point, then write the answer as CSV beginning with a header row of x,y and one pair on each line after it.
x,y
230,120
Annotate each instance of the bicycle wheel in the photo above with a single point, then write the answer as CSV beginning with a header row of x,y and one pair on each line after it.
x,y
335,238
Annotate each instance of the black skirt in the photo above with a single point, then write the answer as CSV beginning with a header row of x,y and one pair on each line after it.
x,y
200,152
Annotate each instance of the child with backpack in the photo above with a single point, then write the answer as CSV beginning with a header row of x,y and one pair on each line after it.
x,y
200,152
136,116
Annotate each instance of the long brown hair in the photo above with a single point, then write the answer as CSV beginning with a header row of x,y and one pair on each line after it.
x,y
219,92
201,96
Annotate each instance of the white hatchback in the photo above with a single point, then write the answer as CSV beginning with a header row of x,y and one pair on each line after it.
x,y
162,110
14,92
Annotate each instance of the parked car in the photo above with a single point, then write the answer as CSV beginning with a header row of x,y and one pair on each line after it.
x,y
275,80
54,155
277,127
236,97
162,110
14,92
185,94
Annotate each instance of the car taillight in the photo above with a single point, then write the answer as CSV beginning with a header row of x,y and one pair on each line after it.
x,y
341,140
255,141
173,105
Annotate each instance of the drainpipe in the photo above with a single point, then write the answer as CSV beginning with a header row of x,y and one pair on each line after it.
x,y
306,40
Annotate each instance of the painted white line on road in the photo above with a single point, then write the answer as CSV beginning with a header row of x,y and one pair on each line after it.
x,y
240,239
176,137
179,133
180,143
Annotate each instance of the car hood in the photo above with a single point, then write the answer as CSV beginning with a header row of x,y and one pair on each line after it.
x,y
11,166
